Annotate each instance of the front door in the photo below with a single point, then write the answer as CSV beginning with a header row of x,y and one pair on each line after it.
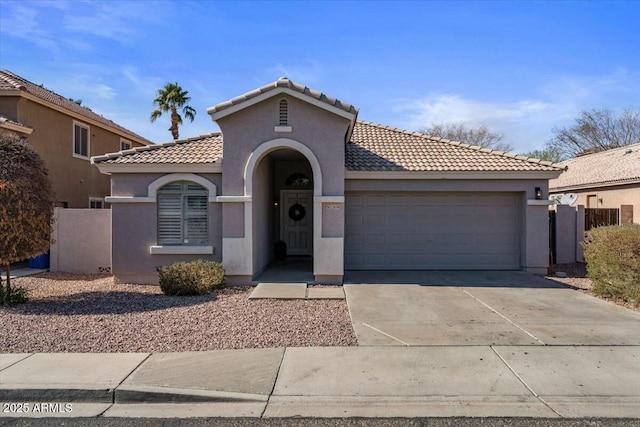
x,y
296,221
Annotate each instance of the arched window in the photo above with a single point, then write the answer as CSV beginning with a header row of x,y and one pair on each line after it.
x,y
283,113
298,179
182,214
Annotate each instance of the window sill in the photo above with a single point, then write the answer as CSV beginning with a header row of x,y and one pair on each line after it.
x,y
181,250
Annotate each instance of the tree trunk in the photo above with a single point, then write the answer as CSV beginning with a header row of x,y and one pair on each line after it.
x,y
174,124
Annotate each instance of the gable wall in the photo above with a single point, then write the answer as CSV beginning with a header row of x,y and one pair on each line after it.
x,y
321,131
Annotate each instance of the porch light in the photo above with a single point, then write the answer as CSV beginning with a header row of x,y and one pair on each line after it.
x,y
538,193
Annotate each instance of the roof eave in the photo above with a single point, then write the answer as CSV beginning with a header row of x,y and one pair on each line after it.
x,y
593,185
116,168
436,175
25,94
16,127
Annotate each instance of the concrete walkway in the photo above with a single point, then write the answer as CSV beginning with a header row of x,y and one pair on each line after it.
x,y
478,381
296,291
21,272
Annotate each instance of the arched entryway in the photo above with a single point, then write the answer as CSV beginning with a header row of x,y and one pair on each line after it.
x,y
282,178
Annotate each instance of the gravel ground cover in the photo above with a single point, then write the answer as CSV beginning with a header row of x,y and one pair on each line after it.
x,y
90,313
576,277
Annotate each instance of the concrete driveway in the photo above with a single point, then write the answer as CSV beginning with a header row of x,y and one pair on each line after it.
x,y
481,308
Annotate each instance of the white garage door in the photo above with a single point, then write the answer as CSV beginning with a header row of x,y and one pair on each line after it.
x,y
432,231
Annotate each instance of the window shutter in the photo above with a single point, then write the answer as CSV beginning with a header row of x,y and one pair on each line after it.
x,y
196,220
183,214
170,219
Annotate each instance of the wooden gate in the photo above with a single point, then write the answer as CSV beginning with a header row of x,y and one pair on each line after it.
x,y
598,217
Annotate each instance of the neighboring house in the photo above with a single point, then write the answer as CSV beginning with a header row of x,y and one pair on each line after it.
x,y
65,135
608,179
296,166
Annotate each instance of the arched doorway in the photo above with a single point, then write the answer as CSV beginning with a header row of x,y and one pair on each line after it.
x,y
282,182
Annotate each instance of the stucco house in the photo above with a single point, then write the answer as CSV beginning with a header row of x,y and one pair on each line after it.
x,y
295,165
65,135
608,179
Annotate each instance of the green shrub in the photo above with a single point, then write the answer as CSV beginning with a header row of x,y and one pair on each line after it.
x,y
191,278
613,261
17,295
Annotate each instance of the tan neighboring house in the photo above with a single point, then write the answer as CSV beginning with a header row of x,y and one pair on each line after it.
x,y
65,135
294,167
608,179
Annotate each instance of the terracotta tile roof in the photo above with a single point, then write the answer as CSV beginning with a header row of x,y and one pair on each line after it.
x,y
284,82
375,147
201,149
616,166
13,82
5,119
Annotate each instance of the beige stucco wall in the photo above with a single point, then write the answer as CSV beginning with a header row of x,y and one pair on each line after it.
x,y
135,231
612,197
74,179
81,241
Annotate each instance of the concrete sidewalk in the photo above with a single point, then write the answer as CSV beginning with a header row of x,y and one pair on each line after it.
x,y
447,381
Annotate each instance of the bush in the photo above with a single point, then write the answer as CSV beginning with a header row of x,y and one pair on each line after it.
x,y
191,278
613,261
17,295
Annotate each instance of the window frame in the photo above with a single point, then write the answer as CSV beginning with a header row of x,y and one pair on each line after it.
x,y
198,199
86,127
124,142
95,200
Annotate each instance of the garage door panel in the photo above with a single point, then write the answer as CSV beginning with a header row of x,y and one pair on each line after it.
x,y
432,231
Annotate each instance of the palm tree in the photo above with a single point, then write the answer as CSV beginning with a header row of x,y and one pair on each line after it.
x,y
170,98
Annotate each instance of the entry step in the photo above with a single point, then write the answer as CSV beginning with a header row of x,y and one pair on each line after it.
x,y
296,291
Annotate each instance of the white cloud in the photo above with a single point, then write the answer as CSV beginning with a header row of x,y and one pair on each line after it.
x,y
22,22
526,123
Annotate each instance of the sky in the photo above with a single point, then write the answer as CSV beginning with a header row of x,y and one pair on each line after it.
x,y
520,68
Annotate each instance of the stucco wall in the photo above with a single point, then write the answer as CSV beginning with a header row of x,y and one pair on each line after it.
x,y
321,131
74,179
135,231
263,215
612,198
569,234
526,186
81,241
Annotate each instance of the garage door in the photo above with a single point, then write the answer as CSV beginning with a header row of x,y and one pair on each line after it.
x,y
432,231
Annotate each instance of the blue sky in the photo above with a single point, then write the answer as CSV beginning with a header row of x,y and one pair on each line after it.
x,y
521,68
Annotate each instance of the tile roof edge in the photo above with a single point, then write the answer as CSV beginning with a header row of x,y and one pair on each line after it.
x,y
10,76
464,145
131,151
284,83
586,185
633,146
